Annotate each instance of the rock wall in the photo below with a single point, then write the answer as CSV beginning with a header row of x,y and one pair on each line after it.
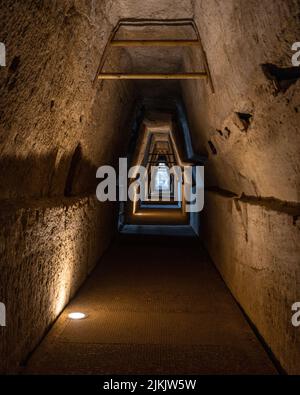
x,y
56,128
250,130
256,247
48,247
253,127
48,103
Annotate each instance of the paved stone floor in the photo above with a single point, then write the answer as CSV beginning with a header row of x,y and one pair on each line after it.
x,y
154,306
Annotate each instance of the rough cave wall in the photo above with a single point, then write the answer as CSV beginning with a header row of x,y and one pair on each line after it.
x,y
252,135
255,245
56,129
48,247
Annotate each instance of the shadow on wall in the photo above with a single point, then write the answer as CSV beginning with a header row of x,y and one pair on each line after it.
x,y
282,77
57,173
53,233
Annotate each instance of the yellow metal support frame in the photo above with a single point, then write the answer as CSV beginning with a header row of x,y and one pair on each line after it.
x,y
112,42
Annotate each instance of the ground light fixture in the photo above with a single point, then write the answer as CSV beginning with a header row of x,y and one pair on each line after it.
x,y
76,315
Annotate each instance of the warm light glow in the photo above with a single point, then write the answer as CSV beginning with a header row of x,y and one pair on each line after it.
x,y
76,316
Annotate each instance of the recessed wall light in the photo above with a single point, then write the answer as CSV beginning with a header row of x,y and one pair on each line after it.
x,y
76,315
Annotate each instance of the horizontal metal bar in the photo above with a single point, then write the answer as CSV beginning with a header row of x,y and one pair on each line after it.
x,y
155,22
152,43
156,153
152,76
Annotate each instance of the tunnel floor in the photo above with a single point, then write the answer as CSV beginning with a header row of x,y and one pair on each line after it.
x,y
154,306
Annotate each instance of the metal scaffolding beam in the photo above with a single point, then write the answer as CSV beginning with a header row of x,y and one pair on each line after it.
x,y
154,43
152,76
113,42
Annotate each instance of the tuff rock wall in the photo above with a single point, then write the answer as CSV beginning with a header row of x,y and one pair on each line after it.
x,y
250,129
56,129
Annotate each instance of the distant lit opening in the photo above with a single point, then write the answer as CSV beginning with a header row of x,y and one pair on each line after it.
x,y
162,178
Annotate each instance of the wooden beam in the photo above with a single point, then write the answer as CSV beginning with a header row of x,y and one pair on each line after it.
x,y
152,76
156,43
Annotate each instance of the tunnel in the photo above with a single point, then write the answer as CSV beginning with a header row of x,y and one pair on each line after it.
x,y
92,285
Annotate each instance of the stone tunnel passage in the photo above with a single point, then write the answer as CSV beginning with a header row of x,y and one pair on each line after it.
x,y
59,124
